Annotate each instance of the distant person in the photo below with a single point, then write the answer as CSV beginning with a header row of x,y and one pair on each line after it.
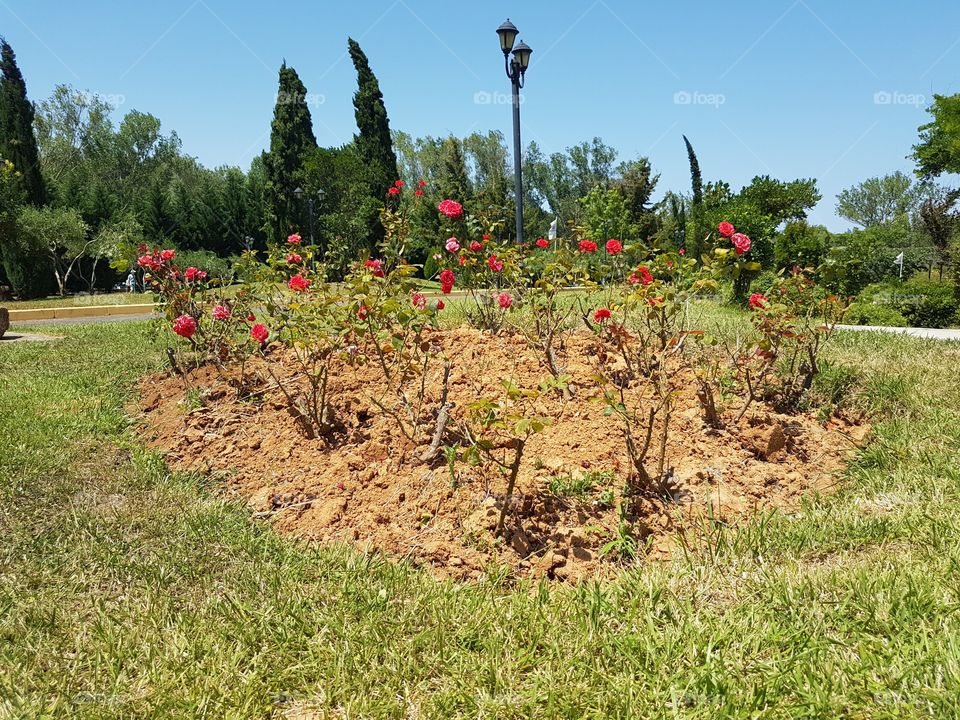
x,y
131,282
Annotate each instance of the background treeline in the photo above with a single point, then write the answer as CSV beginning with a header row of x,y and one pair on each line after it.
x,y
79,191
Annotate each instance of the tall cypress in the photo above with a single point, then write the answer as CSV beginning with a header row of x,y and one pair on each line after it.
x,y
696,181
17,141
373,142
291,138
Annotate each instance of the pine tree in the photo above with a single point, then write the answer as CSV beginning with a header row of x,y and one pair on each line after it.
x,y
291,138
18,144
373,141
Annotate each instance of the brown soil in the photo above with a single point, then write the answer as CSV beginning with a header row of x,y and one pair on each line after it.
x,y
365,486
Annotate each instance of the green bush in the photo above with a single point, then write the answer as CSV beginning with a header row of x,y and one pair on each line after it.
x,y
213,264
868,313
917,302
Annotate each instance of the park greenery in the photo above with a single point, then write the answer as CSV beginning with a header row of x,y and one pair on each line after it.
x,y
80,191
133,590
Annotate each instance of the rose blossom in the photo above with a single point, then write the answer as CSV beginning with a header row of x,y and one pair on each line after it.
x,y
475,246
259,333
419,300
418,192
452,245
494,264
167,255
251,317
298,283
614,246
601,315
682,251
376,267
221,312
451,208
294,239
440,305
447,279
726,229
542,243
462,260
294,259
644,276
504,300
185,326
741,243
587,246
191,274
362,312
422,183
393,191
148,261
758,301
399,183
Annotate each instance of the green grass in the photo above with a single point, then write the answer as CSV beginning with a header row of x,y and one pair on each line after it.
x,y
120,298
127,591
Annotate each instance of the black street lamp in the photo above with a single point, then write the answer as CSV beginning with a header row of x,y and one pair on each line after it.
x,y
516,69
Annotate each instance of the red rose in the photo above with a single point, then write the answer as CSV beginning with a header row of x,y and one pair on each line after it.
x,y
451,208
462,260
726,229
422,183
191,274
486,238
362,312
440,305
418,300
398,183
542,243
298,283
167,255
259,333
741,243
475,246
447,279
294,239
221,312
251,317
494,264
376,267
644,276
294,259
504,300
418,192
758,301
587,246
682,251
614,247
185,326
601,315
393,191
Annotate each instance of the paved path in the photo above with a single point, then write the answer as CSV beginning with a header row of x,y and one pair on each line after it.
x,y
928,333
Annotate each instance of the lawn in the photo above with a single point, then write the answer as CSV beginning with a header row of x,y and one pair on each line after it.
x,y
118,298
128,591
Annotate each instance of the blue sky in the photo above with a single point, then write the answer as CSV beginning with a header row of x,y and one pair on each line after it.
x,y
791,88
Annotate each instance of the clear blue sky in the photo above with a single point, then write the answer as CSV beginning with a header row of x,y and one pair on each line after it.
x,y
794,88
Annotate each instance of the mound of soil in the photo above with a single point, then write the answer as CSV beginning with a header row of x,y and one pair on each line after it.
x,y
366,486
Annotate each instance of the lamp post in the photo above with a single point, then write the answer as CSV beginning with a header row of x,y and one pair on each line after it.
x,y
516,69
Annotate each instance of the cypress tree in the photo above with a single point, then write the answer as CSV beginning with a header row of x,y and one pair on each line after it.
x,y
373,142
696,181
454,180
291,138
18,144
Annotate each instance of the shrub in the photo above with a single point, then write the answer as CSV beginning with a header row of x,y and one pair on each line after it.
x,y
919,303
870,313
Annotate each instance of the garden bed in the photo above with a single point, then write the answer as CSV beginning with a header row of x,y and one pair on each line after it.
x,y
363,484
